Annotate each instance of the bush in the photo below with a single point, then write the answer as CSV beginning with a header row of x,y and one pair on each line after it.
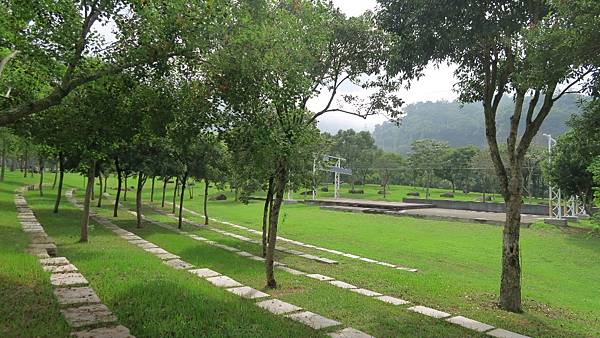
x,y
447,194
413,193
356,191
219,197
324,189
380,192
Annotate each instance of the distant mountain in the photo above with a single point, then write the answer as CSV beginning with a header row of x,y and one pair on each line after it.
x,y
462,125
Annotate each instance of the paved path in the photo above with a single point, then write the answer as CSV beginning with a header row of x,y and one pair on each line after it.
x,y
80,306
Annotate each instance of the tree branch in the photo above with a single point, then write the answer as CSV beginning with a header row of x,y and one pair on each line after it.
x,y
566,90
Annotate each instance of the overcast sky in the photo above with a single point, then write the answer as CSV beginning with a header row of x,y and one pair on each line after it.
x,y
434,86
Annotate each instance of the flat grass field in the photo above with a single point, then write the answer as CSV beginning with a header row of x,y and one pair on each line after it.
x,y
459,271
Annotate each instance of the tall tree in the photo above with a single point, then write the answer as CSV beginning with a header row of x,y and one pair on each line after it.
x,y
426,156
517,47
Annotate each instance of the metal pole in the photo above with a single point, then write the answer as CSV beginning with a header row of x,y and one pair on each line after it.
x,y
314,190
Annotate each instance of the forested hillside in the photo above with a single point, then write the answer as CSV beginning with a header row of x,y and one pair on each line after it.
x,y
461,125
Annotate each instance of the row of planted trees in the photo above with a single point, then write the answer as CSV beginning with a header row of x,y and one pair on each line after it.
x,y
176,77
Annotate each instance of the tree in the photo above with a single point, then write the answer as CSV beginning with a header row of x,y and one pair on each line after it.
x,y
263,82
519,48
455,166
574,153
358,149
426,156
50,44
387,164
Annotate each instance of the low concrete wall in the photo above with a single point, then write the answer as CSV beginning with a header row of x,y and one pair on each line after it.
x,y
531,209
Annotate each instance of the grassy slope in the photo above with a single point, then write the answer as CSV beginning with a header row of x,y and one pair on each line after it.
x,y
459,263
27,306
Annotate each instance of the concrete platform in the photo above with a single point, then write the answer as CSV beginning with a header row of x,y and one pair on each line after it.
x,y
440,214
341,202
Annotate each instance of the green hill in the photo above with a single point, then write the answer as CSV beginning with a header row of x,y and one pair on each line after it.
x,y
461,125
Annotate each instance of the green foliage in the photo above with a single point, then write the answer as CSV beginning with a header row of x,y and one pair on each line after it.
x,y
574,153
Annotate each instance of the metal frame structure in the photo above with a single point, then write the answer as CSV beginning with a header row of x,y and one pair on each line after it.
x,y
336,169
554,194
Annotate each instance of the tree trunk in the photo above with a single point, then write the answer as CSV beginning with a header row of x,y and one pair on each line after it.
x,y
206,201
25,163
85,220
175,193
165,181
119,187
510,286
266,210
126,188
183,182
152,190
191,192
138,198
61,169
3,165
105,183
41,185
99,205
281,176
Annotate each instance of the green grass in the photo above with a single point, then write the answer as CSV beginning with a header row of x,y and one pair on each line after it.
x,y
459,273
27,306
459,263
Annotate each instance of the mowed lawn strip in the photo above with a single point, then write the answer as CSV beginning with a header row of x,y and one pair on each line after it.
x,y
149,297
27,305
364,313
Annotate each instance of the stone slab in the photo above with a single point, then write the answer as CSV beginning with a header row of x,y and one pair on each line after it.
x,y
278,307
178,264
119,331
319,277
138,241
68,279
40,239
501,333
326,260
76,296
50,247
88,315
470,323
351,256
290,270
256,258
60,268
147,245
198,238
223,282
313,320
366,292
368,260
342,285
204,273
55,261
429,311
393,300
244,254
248,292
157,251
167,256
349,333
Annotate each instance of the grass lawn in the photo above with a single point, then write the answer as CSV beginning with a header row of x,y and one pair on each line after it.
x,y
459,263
27,306
459,267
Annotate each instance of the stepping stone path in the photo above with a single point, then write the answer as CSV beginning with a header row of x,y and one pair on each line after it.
x,y
273,305
249,240
313,320
80,306
291,251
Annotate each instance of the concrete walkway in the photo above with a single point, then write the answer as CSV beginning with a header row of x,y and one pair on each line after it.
x,y
80,306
